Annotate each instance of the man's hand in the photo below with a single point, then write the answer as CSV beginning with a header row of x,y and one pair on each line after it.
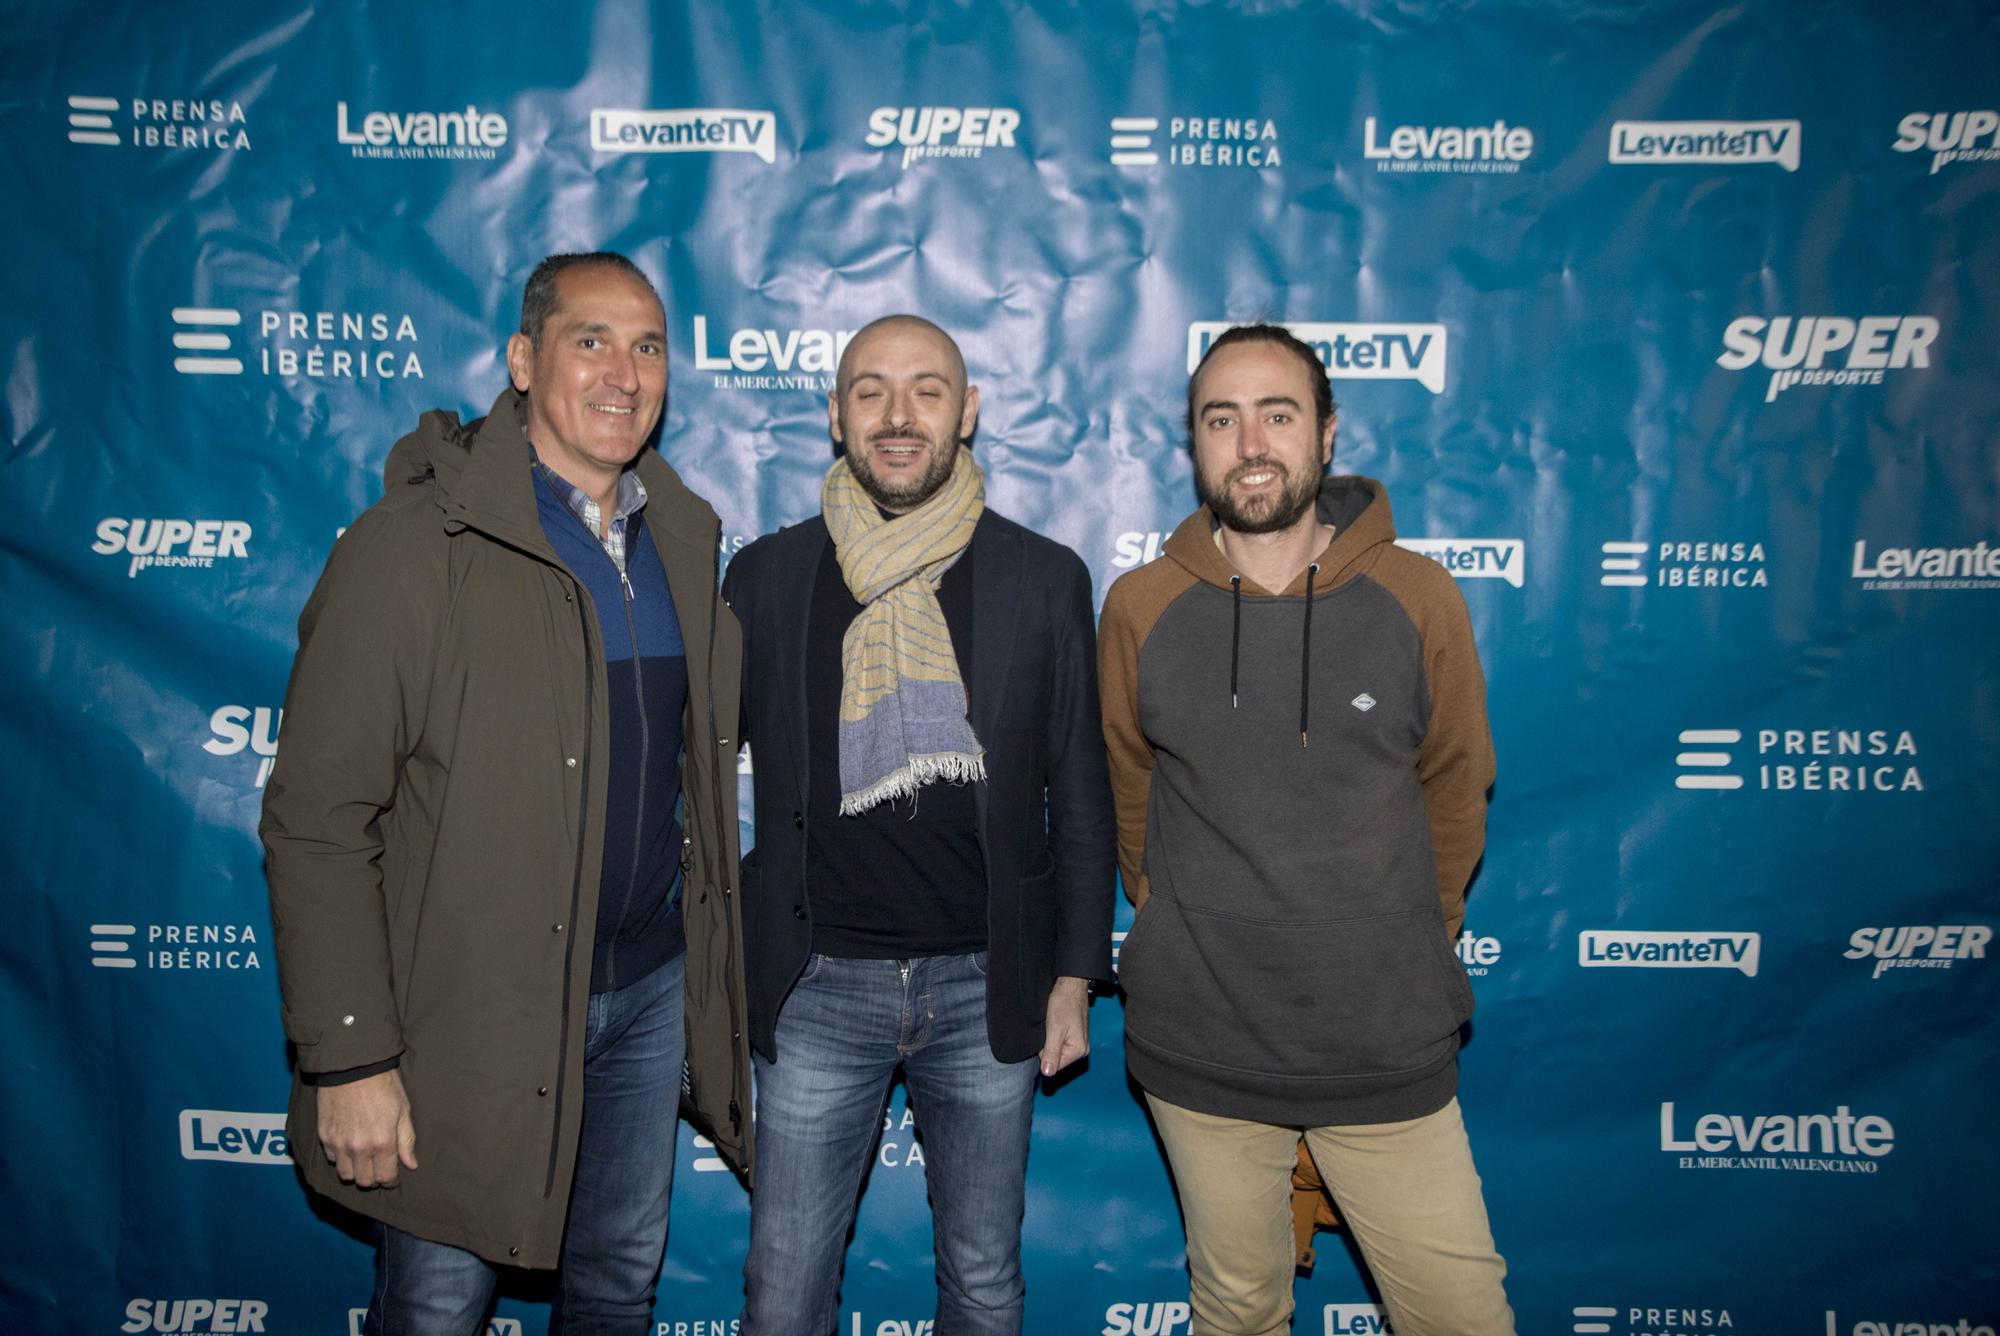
x,y
365,1129
1067,1029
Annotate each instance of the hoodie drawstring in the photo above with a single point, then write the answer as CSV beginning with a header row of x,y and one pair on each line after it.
x,y
1235,631
1305,656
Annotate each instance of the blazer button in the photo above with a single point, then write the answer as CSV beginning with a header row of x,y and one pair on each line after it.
x,y
798,911
799,820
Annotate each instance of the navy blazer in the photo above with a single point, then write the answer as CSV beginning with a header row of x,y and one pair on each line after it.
x,y
1045,818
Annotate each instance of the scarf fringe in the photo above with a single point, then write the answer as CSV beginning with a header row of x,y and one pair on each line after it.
x,y
903,782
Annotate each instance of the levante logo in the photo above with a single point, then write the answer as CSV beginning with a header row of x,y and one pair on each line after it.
x,y
460,134
1976,566
771,359
1495,148
1837,1142
1964,1326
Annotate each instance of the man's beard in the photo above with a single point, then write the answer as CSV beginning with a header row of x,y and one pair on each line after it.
x,y
1272,513
903,495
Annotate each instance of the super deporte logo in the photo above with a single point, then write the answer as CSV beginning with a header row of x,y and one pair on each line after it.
x,y
1163,1317
1920,946
1726,143
1837,1142
233,728
1495,148
175,543
1357,351
1797,350
942,132
196,1317
689,130
459,134
1950,136
103,120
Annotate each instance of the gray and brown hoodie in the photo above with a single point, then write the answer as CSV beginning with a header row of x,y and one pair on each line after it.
x,y
1300,781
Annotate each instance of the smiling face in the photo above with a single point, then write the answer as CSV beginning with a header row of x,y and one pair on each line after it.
x,y
1258,458
900,408
598,377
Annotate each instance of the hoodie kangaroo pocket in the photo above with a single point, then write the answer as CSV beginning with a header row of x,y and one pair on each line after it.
x,y
1351,997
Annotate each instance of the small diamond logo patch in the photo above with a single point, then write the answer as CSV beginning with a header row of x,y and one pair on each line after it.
x,y
1364,702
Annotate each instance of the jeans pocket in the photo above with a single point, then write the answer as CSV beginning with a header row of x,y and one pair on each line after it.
x,y
813,964
978,962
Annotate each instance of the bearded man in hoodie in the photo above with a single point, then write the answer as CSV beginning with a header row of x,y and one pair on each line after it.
x,y
496,938
1299,751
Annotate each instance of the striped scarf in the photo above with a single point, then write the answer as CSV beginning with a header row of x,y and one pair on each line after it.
x,y
902,702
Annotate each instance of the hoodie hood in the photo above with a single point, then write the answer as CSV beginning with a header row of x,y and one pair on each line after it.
x,y
1356,507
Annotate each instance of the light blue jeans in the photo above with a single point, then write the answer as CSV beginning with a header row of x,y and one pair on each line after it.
x,y
617,1228
844,1030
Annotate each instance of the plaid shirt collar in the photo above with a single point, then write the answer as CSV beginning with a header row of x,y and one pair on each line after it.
x,y
631,498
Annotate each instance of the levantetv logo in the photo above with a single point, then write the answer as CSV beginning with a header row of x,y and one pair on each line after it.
x,y
1670,950
511,1326
1473,558
1836,1142
245,1138
1965,1326
942,132
693,130
1974,567
1679,1319
1728,143
1498,147
1353,351
463,134
1796,349
1356,1320
1947,136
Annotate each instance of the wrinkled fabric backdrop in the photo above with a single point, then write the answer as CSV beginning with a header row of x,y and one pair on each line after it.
x,y
1670,330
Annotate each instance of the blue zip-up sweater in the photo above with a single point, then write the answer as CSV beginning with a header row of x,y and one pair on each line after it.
x,y
645,667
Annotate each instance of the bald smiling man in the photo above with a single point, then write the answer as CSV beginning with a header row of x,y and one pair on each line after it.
x,y
931,887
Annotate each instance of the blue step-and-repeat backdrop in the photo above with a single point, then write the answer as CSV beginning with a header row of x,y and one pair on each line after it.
x,y
1669,326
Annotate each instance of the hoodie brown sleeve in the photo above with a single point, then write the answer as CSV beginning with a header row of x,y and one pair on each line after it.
x,y
1455,760
1130,611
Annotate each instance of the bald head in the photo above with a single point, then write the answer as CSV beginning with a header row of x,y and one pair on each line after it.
x,y
901,408
900,336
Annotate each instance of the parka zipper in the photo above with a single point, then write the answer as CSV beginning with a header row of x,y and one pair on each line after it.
x,y
645,752
576,884
733,964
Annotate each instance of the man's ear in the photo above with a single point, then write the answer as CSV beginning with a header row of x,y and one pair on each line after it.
x,y
833,417
520,359
968,417
1326,439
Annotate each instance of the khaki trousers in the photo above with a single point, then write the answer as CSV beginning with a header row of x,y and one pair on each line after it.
x,y
1407,1190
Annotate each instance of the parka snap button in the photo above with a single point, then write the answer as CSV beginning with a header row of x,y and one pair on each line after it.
x,y
798,911
571,763
347,1020
555,927
799,820
542,1091
513,1252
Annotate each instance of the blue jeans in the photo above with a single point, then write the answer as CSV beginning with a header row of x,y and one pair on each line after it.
x,y
617,1228
842,1033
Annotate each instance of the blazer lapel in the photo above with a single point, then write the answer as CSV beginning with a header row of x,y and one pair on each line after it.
x,y
804,576
996,600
